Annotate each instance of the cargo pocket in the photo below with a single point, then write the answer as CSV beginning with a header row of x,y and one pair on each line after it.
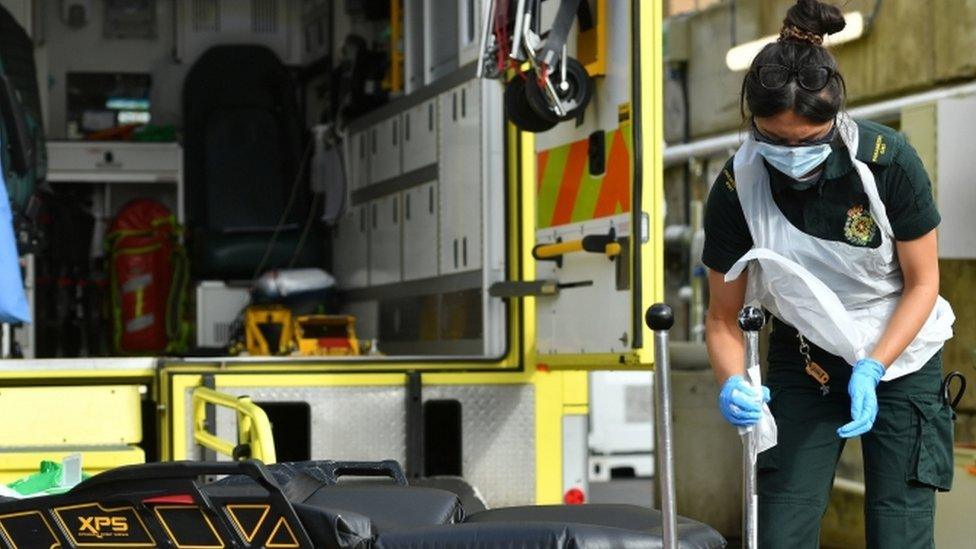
x,y
932,461
768,461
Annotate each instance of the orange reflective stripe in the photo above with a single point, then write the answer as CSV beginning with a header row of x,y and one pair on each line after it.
x,y
615,192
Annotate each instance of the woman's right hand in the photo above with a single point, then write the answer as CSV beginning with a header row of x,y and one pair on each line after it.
x,y
740,403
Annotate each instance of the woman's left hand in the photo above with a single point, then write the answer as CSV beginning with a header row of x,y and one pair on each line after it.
x,y
864,398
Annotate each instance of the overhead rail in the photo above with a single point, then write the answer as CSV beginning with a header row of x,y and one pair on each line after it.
x,y
882,112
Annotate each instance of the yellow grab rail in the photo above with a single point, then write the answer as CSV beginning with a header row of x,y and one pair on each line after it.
x,y
253,427
551,251
606,244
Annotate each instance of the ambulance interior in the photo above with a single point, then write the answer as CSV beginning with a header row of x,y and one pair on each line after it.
x,y
335,166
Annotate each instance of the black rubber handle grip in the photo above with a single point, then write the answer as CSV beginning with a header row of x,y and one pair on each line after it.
x,y
751,319
659,317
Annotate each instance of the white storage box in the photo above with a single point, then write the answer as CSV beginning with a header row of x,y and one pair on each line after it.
x,y
218,305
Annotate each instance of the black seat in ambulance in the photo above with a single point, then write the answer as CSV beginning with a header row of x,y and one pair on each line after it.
x,y
247,200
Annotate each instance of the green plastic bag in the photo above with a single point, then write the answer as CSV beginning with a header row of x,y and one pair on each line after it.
x,y
48,480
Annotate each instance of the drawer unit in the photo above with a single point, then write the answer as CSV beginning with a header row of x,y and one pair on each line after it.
x,y
80,161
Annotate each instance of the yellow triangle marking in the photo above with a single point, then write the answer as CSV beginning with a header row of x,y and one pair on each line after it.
x,y
273,543
248,537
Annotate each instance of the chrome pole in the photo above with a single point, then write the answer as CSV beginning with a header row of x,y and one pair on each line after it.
x,y
751,320
660,318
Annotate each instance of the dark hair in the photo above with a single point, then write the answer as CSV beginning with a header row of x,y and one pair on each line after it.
x,y
811,17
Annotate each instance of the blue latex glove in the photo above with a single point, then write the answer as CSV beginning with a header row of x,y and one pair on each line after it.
x,y
739,402
864,397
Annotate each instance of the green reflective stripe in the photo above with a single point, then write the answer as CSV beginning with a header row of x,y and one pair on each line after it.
x,y
551,183
589,192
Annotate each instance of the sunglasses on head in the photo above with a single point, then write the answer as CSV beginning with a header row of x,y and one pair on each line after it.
x,y
810,78
761,137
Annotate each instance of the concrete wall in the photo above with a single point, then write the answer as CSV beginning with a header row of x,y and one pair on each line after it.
x,y
912,45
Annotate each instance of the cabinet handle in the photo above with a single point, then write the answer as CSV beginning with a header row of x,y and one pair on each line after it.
x,y
464,102
395,132
454,106
430,199
455,253
374,216
430,117
406,127
464,251
407,206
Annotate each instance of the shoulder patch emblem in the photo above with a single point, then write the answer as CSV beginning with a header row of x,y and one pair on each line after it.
x,y
859,228
729,180
879,149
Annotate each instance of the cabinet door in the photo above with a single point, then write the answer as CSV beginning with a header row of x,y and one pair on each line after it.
x,y
448,193
385,244
357,159
460,179
470,176
420,136
350,253
420,232
385,150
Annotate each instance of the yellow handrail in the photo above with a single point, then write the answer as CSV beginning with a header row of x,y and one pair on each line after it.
x,y
253,427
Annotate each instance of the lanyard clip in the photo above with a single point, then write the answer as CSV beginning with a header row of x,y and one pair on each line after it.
x,y
813,369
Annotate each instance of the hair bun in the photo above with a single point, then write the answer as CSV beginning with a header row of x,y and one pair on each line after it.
x,y
816,17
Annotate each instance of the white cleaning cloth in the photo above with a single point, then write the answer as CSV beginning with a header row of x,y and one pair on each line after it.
x,y
765,429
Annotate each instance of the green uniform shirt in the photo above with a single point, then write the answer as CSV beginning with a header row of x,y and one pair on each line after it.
x,y
831,208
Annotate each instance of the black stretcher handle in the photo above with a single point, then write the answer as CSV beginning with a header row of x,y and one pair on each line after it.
x,y
387,468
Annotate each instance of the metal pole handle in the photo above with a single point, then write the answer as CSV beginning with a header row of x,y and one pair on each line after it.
x,y
660,318
751,320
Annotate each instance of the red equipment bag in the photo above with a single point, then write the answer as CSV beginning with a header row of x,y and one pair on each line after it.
x,y
148,273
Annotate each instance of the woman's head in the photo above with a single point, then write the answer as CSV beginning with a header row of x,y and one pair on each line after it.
x,y
796,73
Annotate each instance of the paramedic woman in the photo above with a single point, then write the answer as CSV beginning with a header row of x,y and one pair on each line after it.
x,y
829,224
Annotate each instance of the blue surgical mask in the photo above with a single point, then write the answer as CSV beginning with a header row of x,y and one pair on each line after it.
x,y
794,161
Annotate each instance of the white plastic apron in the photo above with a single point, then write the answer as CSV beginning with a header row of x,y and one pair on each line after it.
x,y
840,297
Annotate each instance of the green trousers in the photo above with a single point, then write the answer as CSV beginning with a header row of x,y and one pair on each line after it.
x,y
907,454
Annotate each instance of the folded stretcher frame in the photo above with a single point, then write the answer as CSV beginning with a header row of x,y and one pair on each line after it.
x,y
303,505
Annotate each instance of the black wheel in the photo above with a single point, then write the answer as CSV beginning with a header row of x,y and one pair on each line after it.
x,y
574,96
520,112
